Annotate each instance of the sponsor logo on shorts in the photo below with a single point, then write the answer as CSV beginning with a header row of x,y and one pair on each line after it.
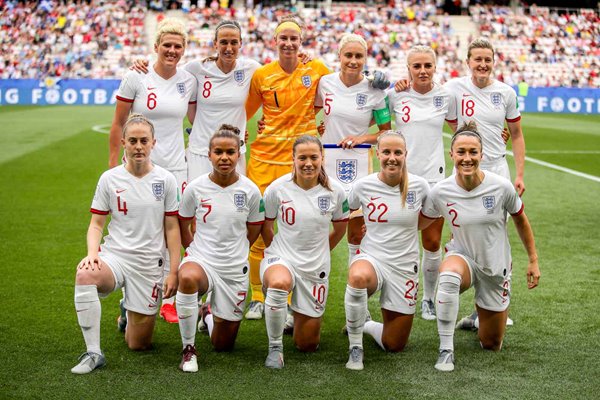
x,y
158,190
272,260
150,305
346,170
238,75
361,100
181,88
306,81
438,102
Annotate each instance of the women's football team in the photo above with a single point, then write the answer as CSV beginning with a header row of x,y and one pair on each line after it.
x,y
158,204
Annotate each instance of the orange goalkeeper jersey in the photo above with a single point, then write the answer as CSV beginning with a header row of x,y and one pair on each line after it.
x,y
288,108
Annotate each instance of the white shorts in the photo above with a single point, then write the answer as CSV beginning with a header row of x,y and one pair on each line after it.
x,y
491,292
228,296
143,289
399,289
182,180
199,165
309,294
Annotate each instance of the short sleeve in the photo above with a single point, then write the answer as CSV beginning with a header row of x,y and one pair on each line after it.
x,y
342,210
128,87
512,202
429,209
271,202
256,204
512,108
353,197
194,91
101,201
187,207
451,115
171,195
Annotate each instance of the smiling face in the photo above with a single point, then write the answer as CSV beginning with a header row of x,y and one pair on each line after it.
x,y
466,154
481,64
224,153
308,161
288,43
391,152
421,68
138,143
228,45
352,59
170,49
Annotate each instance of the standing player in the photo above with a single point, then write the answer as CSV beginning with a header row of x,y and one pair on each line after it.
x,y
350,103
229,213
163,96
475,204
285,89
297,259
142,201
489,103
420,112
389,253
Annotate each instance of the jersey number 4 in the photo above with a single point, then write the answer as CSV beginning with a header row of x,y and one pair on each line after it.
x,y
121,206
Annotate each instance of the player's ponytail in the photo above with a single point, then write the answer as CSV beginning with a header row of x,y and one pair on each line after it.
x,y
467,129
403,185
323,179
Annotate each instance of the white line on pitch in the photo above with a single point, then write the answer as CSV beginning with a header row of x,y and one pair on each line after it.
x,y
563,151
550,165
101,128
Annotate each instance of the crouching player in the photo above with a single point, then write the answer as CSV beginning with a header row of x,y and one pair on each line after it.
x,y
229,216
142,200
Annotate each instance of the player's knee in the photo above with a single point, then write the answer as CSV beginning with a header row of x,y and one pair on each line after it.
x,y
358,278
307,345
355,237
393,346
491,343
221,345
280,283
85,277
187,281
431,244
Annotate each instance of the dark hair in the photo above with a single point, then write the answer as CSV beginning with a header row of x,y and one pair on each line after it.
x,y
467,129
323,179
404,171
137,119
226,23
226,131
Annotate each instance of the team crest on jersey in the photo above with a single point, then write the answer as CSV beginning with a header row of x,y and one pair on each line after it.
x,y
411,198
346,170
496,99
306,81
181,88
361,99
489,202
324,202
158,190
438,101
238,75
239,199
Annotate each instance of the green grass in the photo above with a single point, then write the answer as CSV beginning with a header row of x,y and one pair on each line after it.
x,y
50,161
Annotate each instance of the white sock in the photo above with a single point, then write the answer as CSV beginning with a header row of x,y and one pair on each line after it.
x,y
375,329
87,305
210,323
275,314
187,312
430,265
355,302
353,250
447,308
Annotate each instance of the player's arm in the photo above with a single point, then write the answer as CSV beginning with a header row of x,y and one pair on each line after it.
x,y
453,125
191,112
185,230
174,247
116,131
518,148
93,238
526,234
268,231
338,232
254,100
254,230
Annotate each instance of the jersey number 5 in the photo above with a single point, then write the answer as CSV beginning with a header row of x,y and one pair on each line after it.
x,y
327,105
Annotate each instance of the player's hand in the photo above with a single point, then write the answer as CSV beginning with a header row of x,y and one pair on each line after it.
x,y
520,186
170,286
246,136
402,85
505,135
140,65
321,128
380,81
304,57
260,126
533,274
350,141
91,262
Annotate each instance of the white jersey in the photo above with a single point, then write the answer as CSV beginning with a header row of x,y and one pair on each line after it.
x,y
138,207
222,215
392,231
165,104
303,221
477,218
420,118
221,100
348,110
488,107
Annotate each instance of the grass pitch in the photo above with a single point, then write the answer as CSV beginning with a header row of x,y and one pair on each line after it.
x,y
50,160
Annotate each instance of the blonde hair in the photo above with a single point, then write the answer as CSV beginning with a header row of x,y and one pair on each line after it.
x,y
323,179
352,38
173,26
420,50
137,119
403,185
480,43
285,22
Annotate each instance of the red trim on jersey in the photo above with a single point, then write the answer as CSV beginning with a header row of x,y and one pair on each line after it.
x,y
192,102
269,219
184,218
428,217
99,212
520,211
452,121
256,222
170,213
340,220
124,99
514,120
